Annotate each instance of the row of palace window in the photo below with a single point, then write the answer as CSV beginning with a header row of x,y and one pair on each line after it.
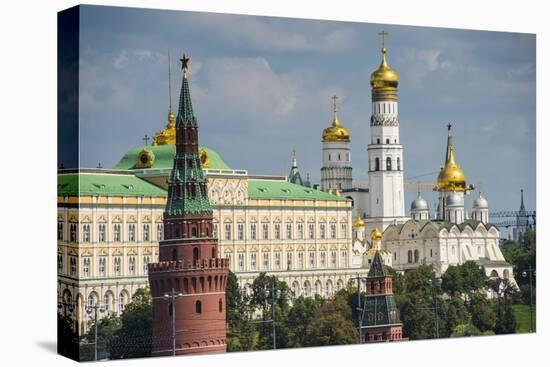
x,y
102,232
389,166
253,261
277,234
101,266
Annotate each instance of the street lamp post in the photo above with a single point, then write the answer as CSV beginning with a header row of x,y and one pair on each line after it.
x,y
530,273
172,296
89,310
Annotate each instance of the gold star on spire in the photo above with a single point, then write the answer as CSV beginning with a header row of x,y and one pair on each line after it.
x,y
184,65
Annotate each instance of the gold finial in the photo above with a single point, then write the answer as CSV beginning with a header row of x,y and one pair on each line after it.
x,y
382,35
335,121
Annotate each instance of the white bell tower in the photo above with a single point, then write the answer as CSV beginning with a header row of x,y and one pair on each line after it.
x,y
385,152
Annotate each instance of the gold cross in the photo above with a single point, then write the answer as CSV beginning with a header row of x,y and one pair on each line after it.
x,y
334,98
382,36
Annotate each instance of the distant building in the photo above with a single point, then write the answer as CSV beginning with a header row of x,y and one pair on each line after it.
x,y
522,221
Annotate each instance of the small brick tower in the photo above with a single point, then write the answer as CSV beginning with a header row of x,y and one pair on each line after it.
x,y
381,320
189,272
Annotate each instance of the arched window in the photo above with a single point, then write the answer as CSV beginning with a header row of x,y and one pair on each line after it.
x,y
220,305
377,164
388,164
198,307
213,252
387,141
416,256
410,256
378,141
194,231
398,164
195,253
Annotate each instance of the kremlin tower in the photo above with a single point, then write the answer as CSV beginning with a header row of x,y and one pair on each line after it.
x,y
380,319
188,283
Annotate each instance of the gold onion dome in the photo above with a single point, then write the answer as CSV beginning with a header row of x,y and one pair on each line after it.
x,y
451,177
375,234
358,223
335,132
384,77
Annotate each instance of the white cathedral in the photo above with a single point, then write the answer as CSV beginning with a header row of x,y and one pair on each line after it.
x,y
448,237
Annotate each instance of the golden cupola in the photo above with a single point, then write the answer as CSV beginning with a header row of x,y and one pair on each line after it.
x,y
384,78
451,176
358,222
335,132
375,234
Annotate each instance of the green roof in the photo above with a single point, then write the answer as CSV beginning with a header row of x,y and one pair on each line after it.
x,y
164,157
488,262
271,189
108,184
377,268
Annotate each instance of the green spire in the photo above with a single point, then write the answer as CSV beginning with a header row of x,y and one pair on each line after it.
x,y
185,111
378,269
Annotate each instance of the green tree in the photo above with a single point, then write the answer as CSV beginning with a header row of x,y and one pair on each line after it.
x,y
261,292
67,338
506,322
465,330
455,313
483,315
261,299
299,317
133,338
417,318
473,276
241,331
330,327
452,282
106,330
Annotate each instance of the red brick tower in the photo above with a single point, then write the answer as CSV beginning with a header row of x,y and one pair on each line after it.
x,y
381,320
189,271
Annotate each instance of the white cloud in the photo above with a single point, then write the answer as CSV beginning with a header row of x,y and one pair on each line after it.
x,y
263,34
124,57
121,60
249,87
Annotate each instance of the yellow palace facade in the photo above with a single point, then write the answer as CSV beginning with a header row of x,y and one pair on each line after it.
x,y
110,222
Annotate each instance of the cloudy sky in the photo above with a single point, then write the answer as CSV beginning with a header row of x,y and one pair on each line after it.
x,y
261,86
